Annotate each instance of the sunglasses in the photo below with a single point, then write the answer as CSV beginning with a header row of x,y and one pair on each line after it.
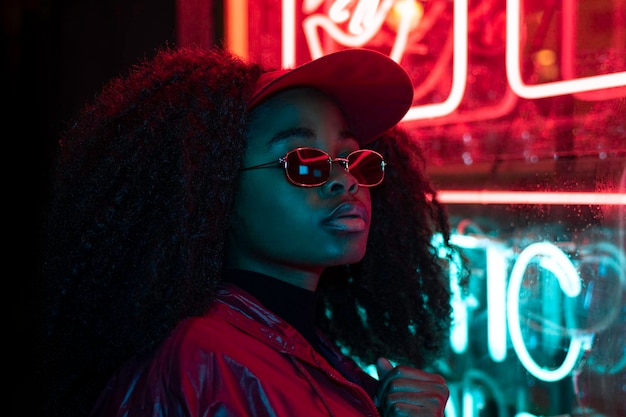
x,y
311,167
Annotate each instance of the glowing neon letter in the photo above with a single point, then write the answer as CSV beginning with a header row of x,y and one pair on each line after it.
x,y
569,282
496,303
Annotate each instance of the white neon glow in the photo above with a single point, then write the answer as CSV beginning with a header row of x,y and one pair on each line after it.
x,y
496,303
364,16
338,11
570,284
497,256
504,106
460,325
407,15
551,89
369,15
530,197
459,71
451,405
369,20
474,383
364,24
288,45
496,275
459,329
470,242
569,12
468,404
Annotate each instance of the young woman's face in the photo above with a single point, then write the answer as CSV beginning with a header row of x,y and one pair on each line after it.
x,y
279,228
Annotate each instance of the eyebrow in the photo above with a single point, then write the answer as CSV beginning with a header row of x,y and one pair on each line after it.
x,y
286,134
303,132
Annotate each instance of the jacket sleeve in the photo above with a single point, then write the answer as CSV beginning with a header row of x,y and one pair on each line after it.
x,y
187,387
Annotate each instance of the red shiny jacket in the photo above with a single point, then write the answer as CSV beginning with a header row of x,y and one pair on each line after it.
x,y
237,360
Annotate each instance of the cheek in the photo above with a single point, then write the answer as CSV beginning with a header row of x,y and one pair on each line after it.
x,y
262,206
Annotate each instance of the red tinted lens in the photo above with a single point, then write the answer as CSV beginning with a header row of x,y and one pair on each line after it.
x,y
308,166
367,167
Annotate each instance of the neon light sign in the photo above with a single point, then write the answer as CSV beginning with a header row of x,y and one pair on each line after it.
x,y
496,296
553,259
364,23
503,311
364,19
556,88
530,197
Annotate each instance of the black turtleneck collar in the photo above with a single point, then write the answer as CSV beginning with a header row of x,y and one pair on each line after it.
x,y
293,304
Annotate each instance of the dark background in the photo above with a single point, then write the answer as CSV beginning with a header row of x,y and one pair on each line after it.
x,y
56,55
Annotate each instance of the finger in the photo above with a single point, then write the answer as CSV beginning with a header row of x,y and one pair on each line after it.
x,y
423,404
418,375
407,386
406,378
383,367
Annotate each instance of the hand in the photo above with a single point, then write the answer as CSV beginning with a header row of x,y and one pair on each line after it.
x,y
406,391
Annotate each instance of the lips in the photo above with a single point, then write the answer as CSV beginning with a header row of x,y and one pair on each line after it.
x,y
349,217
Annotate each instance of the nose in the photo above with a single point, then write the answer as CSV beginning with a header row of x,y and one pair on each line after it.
x,y
340,179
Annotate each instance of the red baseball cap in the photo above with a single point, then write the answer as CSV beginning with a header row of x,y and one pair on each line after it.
x,y
372,90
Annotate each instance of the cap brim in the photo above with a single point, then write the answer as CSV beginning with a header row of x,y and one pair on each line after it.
x,y
373,91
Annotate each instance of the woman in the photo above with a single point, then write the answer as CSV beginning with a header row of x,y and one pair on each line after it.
x,y
227,240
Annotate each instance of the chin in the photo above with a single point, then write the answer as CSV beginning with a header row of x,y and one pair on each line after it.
x,y
352,256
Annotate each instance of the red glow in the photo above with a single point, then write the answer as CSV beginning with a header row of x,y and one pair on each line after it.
x,y
523,197
555,88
